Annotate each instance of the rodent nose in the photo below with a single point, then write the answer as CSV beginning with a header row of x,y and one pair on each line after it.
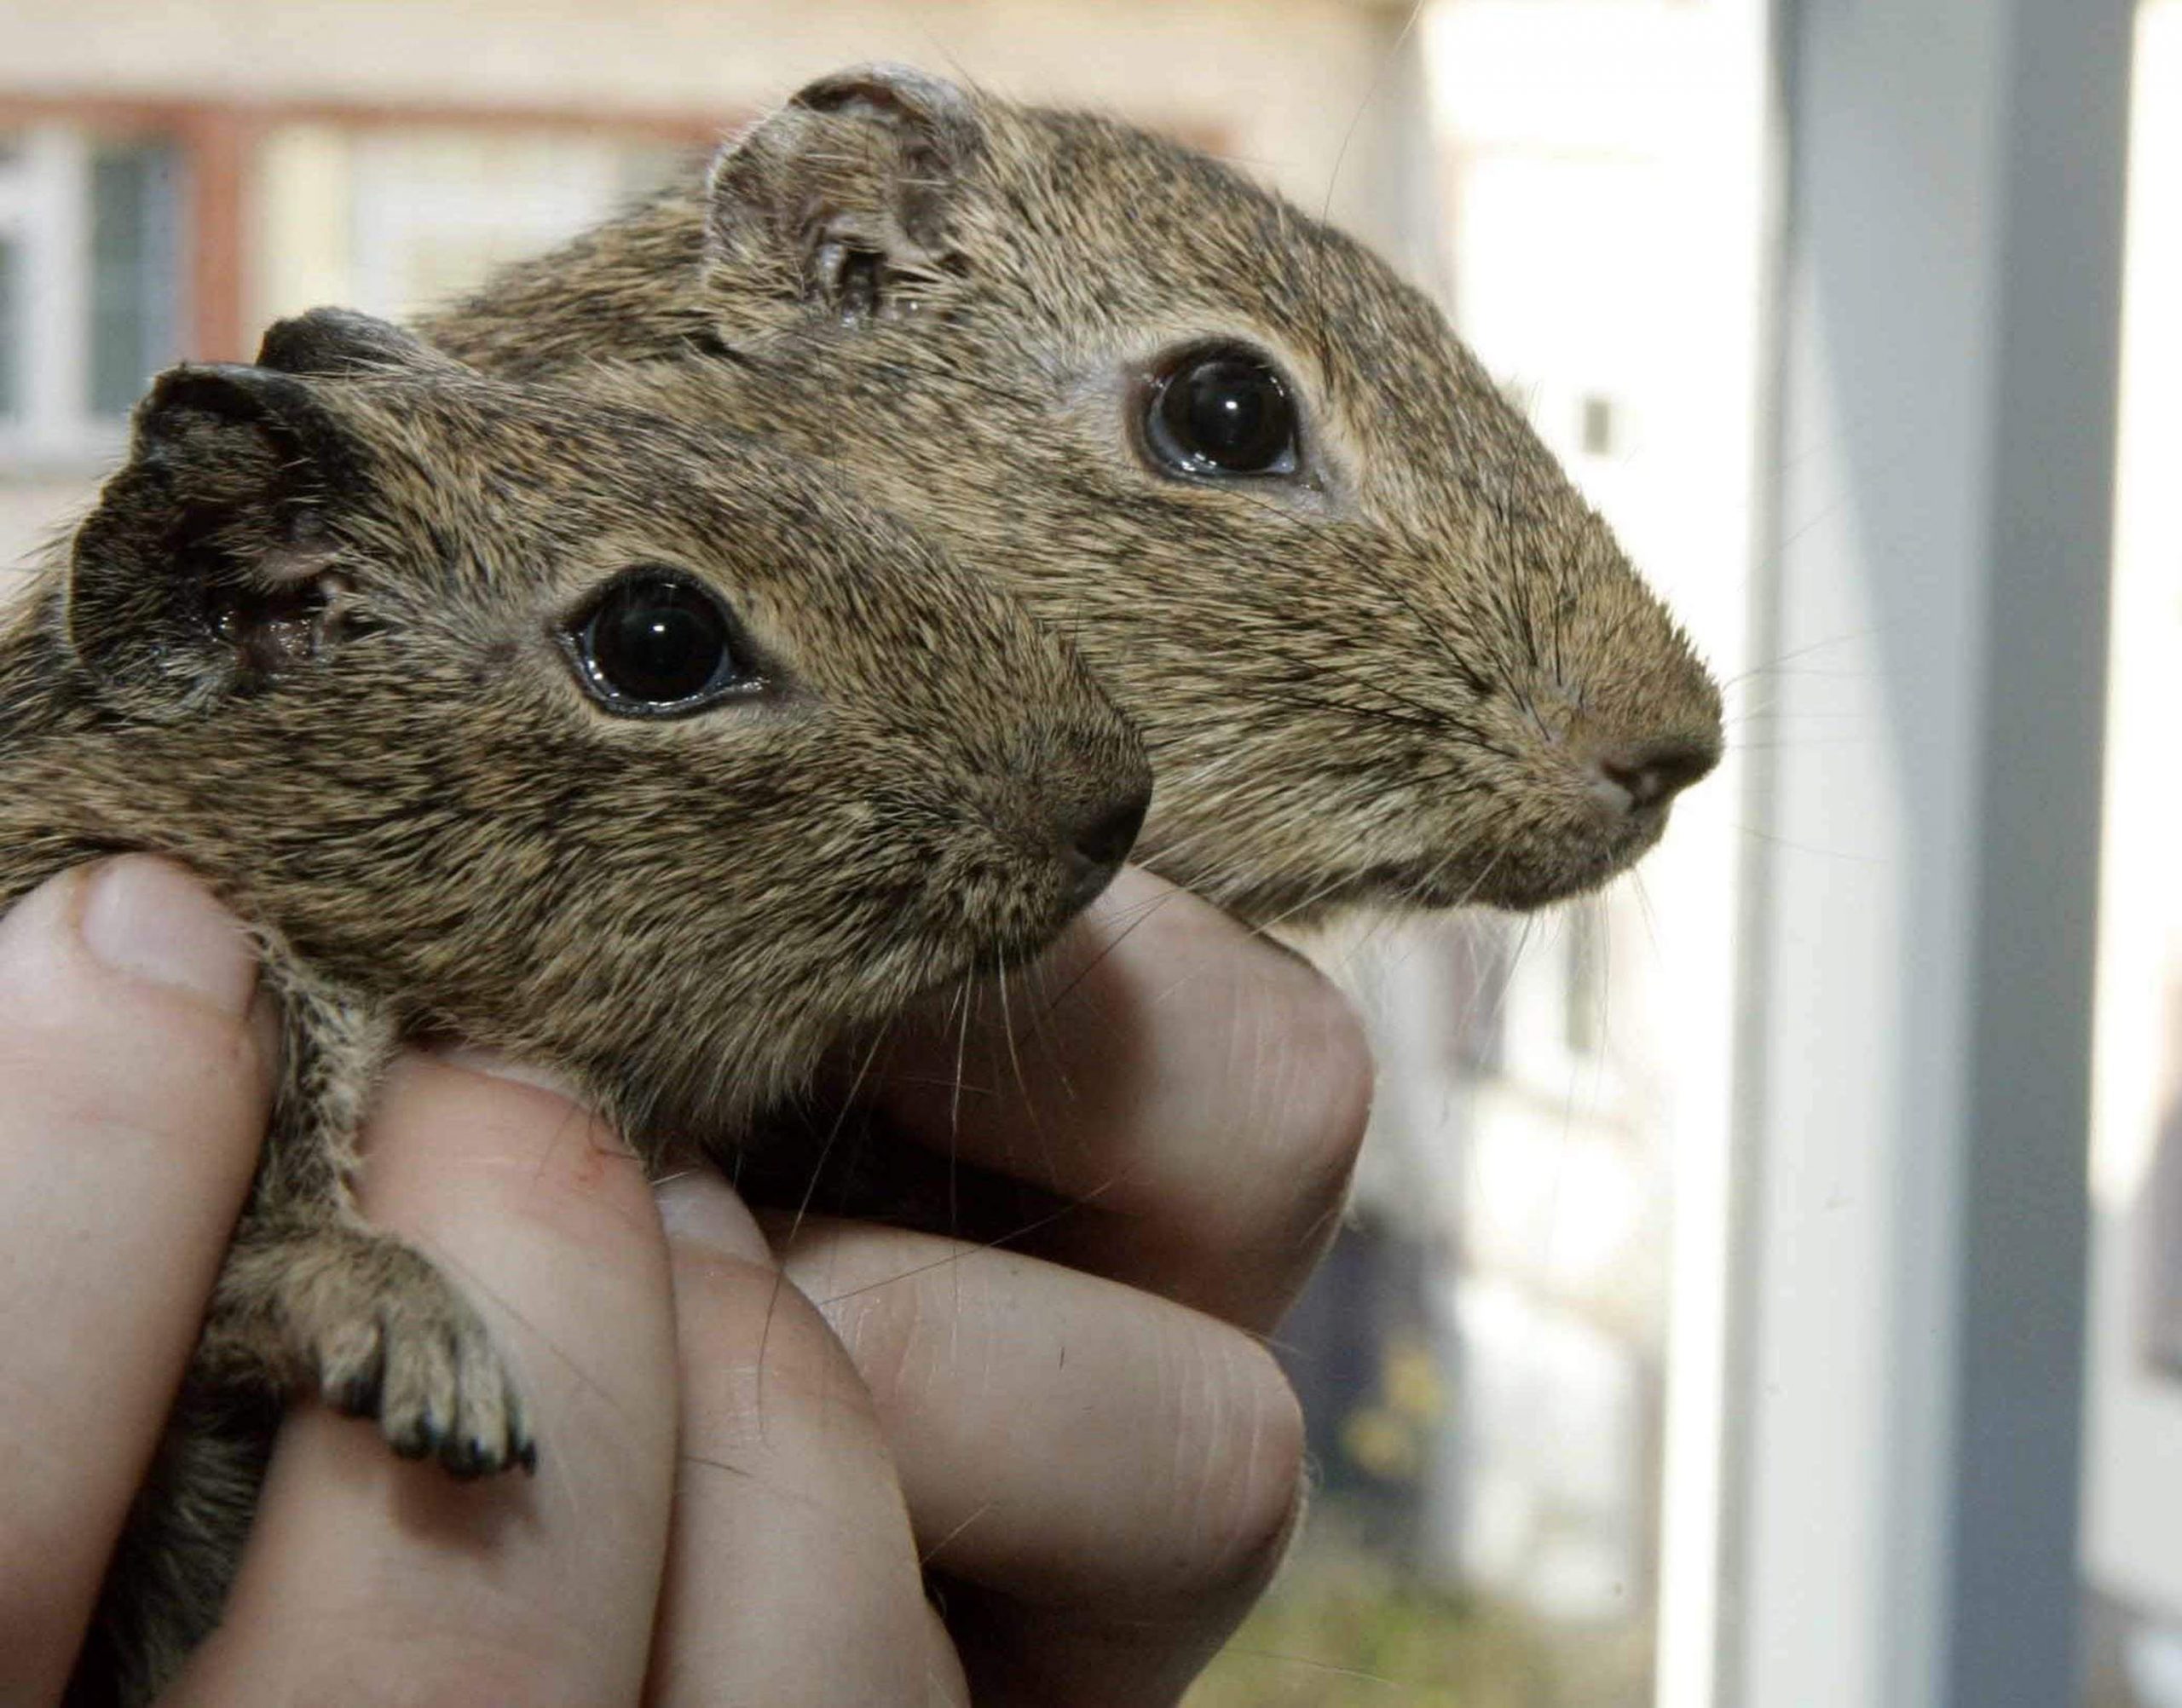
x,y
1095,845
1650,774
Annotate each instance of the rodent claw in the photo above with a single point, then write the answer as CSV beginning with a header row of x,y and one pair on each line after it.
x,y
357,1397
464,1460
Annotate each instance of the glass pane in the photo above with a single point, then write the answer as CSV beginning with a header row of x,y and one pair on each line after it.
x,y
1484,1357
1479,959
11,336
1584,1028
1485,1360
433,210
134,274
2132,1453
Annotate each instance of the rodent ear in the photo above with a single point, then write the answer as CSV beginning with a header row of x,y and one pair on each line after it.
x,y
856,186
204,569
342,342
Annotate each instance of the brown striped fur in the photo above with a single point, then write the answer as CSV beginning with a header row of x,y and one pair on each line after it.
x,y
306,643
1383,680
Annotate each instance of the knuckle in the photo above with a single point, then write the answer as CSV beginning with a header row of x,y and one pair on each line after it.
x,y
1303,1111
1334,1058
1254,1473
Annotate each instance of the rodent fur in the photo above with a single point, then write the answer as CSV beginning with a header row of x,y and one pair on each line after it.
x,y
305,644
1387,682
1390,680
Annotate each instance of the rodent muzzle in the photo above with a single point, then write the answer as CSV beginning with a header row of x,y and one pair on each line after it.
x,y
1093,845
1648,775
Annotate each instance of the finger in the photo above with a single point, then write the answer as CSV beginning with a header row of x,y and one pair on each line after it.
x,y
133,1097
368,1577
1199,1090
793,1577
1115,1475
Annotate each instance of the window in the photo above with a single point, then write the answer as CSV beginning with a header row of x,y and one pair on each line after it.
x,y
1582,1017
90,287
133,264
1601,428
1479,960
432,212
10,364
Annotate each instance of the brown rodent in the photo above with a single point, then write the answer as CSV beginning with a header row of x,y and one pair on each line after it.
x,y
1381,649
550,726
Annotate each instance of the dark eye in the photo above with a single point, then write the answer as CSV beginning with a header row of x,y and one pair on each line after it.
x,y
1222,411
657,645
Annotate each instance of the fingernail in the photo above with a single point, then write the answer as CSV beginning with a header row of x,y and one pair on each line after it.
x,y
699,1210
495,1066
148,919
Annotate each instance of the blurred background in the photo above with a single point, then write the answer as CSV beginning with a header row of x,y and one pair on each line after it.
x,y
1701,1236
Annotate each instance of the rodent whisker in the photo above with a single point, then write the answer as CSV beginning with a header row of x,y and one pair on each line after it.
x,y
1028,1103
1348,708
1309,902
1773,666
1644,908
1434,713
1323,329
1767,836
1036,1033
803,1209
1476,884
1374,566
1143,911
1080,1201
959,1013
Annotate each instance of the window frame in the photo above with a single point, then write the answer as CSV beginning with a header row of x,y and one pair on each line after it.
x,y
45,213
217,144
1902,1358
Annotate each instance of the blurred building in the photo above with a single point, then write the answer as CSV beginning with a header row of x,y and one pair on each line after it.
x,y
1555,1118
173,176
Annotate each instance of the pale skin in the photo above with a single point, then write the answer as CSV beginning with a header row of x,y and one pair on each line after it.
x,y
756,1439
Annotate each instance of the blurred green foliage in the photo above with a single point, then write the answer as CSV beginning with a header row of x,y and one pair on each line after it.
x,y
1345,1627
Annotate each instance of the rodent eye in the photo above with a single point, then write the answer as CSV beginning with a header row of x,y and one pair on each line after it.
x,y
1223,410
659,644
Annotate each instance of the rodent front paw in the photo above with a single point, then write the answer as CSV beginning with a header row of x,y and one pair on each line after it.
x,y
381,1333
418,1359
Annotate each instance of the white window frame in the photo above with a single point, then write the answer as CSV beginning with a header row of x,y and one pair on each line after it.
x,y
1903,1355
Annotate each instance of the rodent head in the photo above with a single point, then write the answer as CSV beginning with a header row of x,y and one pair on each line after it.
x,y
1382,649
564,729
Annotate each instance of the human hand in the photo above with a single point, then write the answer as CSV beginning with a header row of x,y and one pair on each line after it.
x,y
1103,1484
784,1561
